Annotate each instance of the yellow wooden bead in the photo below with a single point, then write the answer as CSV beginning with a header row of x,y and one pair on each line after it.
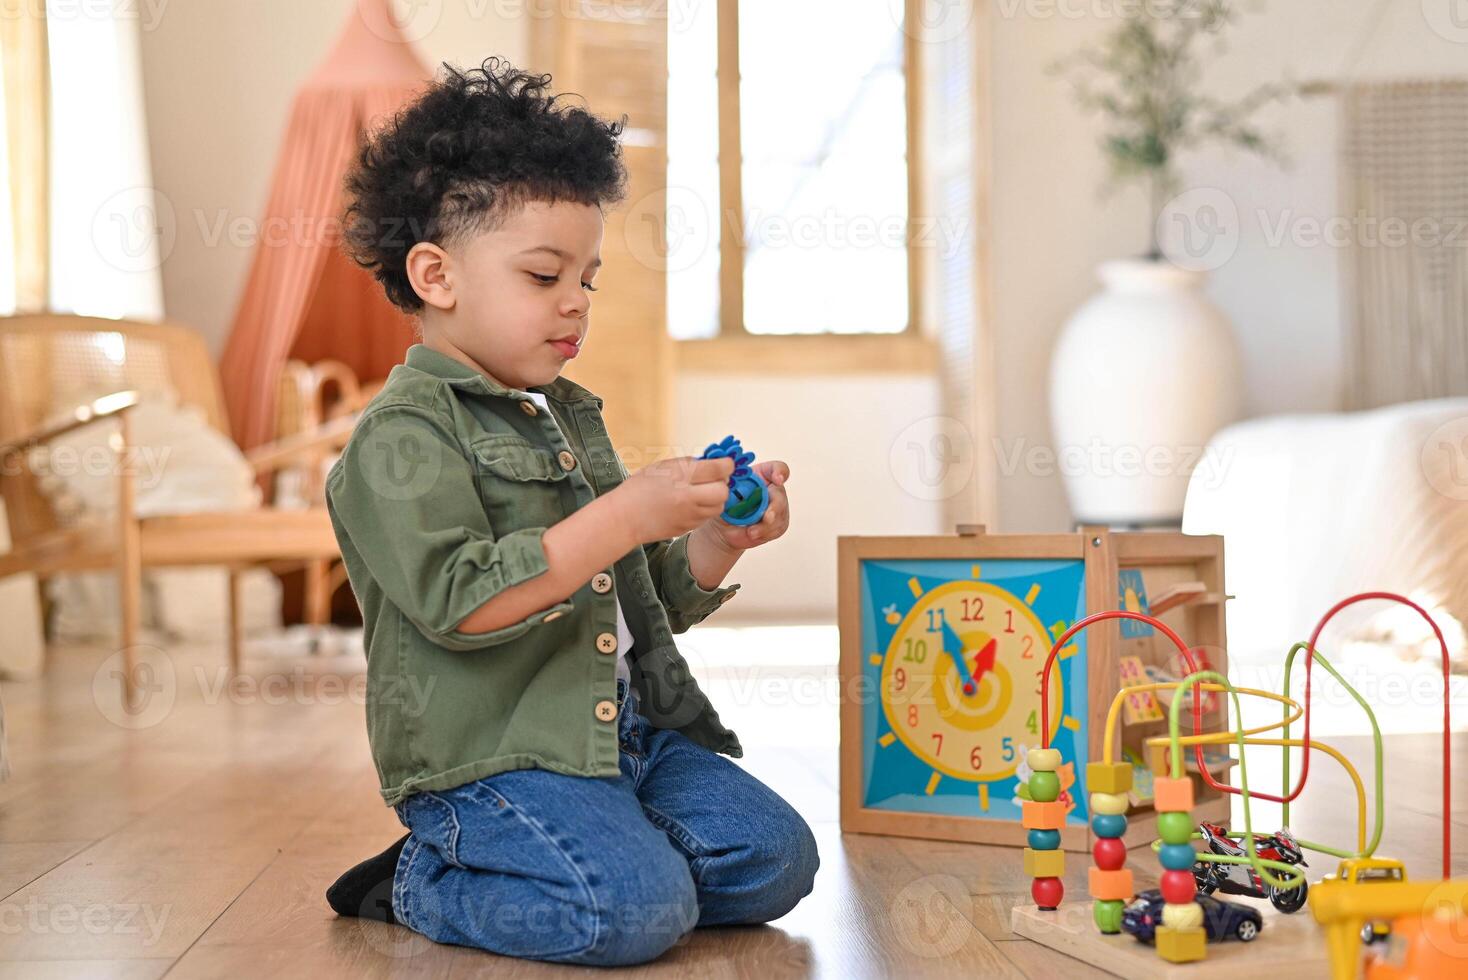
x,y
1109,803
1043,760
1188,916
1109,777
1044,864
1181,945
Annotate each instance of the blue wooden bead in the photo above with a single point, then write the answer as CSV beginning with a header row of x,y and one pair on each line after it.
x,y
1177,857
1109,825
1044,840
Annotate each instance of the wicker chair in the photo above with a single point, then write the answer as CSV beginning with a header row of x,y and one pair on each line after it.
x,y
44,358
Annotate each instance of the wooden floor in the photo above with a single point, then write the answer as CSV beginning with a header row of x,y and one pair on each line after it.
x,y
196,838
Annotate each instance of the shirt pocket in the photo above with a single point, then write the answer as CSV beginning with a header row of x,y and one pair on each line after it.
x,y
521,484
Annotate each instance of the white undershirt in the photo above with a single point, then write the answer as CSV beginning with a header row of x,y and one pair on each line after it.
x,y
624,635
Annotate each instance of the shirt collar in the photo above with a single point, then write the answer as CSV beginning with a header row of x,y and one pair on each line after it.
x,y
423,358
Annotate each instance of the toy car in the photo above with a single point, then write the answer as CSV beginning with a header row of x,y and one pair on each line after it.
x,y
1371,871
1221,920
1241,879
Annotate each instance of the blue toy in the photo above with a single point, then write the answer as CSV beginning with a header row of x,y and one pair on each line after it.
x,y
748,496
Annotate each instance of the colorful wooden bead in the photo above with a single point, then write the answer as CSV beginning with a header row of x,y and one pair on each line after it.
x,y
1043,760
1044,864
1175,828
1110,853
1181,945
1107,825
1177,857
1107,885
1107,914
1042,816
1113,803
1044,840
1178,887
1044,787
1109,777
1047,893
1182,915
1172,795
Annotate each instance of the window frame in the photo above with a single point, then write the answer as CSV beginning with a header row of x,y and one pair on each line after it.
x,y
734,346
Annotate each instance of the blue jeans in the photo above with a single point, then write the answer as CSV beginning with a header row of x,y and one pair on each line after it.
x,y
602,871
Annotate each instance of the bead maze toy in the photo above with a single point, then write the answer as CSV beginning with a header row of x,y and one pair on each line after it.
x,y
749,496
1367,891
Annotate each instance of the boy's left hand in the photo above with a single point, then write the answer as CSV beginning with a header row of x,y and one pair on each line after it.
x,y
776,518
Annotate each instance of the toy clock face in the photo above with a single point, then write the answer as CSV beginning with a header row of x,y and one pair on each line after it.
x,y
949,653
960,681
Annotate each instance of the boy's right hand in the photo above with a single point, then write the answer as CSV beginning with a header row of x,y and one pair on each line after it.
x,y
667,498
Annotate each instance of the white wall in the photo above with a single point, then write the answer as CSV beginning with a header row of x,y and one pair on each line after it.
x,y
1051,227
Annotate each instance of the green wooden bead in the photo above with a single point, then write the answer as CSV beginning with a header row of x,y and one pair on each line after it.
x,y
1044,787
1175,828
1107,915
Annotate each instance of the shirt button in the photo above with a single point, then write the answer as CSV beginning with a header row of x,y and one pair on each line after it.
x,y
528,408
567,459
602,583
726,597
607,642
606,710
551,615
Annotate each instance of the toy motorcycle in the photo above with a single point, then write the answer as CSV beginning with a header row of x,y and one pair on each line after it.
x,y
1241,879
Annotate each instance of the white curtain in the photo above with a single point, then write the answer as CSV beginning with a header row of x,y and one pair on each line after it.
x,y
110,231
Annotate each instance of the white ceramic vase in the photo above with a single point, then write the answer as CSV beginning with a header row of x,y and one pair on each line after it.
x,y
1144,373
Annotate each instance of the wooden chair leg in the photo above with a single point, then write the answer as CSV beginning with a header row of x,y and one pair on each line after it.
x,y
234,623
317,597
129,566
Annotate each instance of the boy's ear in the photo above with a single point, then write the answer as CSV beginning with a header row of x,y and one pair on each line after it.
x,y
428,271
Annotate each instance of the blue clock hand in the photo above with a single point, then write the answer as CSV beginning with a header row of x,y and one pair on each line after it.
x,y
953,646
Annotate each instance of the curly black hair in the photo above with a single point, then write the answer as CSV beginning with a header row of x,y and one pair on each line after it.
x,y
475,144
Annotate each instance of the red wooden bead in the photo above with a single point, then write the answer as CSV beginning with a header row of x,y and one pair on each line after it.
x,y
1178,887
1110,853
1047,893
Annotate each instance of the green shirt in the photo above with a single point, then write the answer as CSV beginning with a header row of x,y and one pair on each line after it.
x,y
441,500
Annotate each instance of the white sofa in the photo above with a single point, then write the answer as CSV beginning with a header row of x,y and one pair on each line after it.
x,y
1314,508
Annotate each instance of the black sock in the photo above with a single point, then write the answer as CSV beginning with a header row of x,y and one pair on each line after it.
x,y
365,891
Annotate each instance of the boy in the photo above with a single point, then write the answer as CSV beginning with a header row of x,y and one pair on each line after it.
x,y
530,717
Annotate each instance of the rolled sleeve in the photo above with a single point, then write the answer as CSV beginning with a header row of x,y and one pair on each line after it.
x,y
405,494
687,603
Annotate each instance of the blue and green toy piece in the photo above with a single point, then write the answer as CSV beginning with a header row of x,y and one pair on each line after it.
x,y
749,496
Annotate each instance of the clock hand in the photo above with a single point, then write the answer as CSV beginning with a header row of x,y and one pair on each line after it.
x,y
984,659
953,646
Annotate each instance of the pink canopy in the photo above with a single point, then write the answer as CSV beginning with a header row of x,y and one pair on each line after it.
x,y
304,299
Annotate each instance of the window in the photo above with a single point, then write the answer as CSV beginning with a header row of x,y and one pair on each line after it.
x,y
789,130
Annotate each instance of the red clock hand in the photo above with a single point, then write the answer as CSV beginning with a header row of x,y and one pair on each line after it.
x,y
984,659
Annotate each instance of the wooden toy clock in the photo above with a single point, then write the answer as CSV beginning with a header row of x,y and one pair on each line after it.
x,y
942,644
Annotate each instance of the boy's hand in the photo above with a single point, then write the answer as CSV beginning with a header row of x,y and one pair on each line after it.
x,y
772,525
665,499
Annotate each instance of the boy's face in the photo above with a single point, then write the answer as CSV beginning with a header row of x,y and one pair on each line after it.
x,y
516,299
